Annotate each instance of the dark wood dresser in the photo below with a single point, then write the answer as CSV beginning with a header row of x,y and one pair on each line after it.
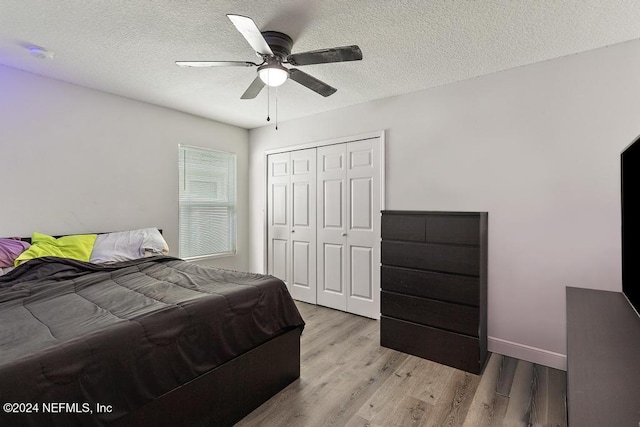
x,y
434,286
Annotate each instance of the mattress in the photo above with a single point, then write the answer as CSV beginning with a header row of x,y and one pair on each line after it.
x,y
87,344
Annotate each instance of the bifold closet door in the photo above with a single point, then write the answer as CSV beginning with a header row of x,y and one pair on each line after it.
x,y
332,227
363,228
349,227
303,225
279,216
291,230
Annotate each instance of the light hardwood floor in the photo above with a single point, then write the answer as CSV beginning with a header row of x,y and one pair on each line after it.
x,y
347,379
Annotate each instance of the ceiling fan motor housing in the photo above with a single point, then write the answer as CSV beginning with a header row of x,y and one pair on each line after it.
x,y
280,43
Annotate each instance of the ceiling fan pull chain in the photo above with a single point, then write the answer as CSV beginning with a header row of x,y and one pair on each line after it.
x,y
268,102
276,107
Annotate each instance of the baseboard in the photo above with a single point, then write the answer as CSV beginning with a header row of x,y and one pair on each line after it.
x,y
525,352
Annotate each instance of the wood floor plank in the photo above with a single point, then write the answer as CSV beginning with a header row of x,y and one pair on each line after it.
x,y
520,396
498,411
358,421
547,404
428,379
505,378
360,383
406,411
482,411
420,379
344,391
557,398
538,404
348,379
453,405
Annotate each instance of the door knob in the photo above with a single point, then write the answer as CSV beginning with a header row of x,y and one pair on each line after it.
x,y
344,234
293,231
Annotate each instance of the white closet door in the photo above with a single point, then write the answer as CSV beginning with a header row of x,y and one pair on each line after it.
x,y
303,225
332,227
279,216
363,228
323,230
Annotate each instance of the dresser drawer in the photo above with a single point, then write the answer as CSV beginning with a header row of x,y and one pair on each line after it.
x,y
409,228
434,257
444,315
454,229
440,228
429,284
449,348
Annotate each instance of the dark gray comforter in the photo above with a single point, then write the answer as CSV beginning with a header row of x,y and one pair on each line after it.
x,y
121,335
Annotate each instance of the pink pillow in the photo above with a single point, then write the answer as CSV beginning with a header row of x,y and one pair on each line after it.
x,y
10,249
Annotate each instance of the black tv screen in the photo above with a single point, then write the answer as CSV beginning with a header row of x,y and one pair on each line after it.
x,y
630,168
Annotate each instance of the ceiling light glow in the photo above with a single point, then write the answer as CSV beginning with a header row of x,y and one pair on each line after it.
x,y
273,74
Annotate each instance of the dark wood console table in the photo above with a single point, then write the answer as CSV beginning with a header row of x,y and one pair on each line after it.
x,y
603,359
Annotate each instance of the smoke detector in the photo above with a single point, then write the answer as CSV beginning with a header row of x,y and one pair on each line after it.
x,y
40,52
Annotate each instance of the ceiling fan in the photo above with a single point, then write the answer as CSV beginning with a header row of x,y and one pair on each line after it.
x,y
275,50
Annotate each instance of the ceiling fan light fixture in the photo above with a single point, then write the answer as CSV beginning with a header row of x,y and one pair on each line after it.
x,y
273,74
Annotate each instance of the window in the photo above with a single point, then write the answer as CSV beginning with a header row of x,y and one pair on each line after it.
x,y
207,201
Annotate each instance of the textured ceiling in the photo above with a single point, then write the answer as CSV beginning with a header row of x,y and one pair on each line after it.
x,y
128,47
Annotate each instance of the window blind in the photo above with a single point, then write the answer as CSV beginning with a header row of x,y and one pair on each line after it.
x,y
207,200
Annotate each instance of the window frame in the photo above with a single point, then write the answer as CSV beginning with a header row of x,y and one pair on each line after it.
x,y
233,236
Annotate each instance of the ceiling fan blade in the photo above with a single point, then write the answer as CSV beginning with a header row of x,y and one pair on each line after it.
x,y
311,82
215,64
253,90
251,33
323,56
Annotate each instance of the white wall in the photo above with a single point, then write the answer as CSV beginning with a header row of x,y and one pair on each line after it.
x,y
537,147
75,160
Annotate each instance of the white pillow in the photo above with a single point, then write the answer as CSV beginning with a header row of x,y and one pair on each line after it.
x,y
5,270
126,245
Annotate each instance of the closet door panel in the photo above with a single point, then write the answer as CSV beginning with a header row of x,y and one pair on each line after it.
x,y
333,206
279,204
279,216
333,268
361,279
279,251
363,228
361,204
303,225
331,230
300,262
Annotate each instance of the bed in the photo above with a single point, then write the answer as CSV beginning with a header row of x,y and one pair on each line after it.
x,y
145,342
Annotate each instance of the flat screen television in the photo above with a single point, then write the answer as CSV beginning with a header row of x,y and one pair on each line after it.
x,y
630,185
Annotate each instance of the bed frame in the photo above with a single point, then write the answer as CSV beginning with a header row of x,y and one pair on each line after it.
x,y
227,393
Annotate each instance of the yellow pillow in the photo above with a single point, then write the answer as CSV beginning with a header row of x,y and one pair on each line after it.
x,y
78,247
